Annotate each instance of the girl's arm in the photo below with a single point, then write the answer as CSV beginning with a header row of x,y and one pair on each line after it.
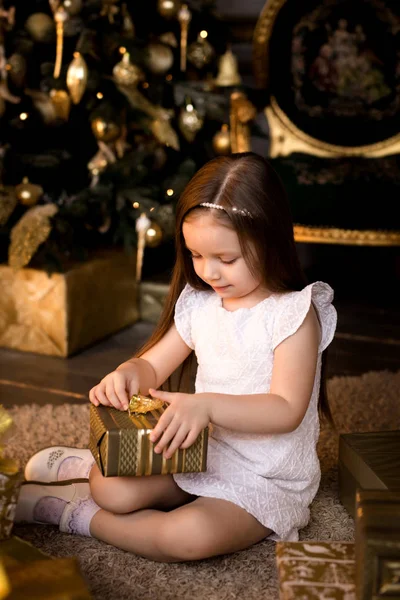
x,y
283,408
158,363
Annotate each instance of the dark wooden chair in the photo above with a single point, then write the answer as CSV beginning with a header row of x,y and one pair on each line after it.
x,y
331,75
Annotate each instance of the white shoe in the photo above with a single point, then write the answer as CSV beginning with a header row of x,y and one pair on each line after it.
x,y
31,493
44,465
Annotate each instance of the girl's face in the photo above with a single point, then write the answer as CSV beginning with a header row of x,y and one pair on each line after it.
x,y
218,260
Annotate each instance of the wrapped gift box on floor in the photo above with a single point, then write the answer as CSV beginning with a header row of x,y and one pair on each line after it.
x,y
378,544
369,461
316,570
26,572
120,444
62,313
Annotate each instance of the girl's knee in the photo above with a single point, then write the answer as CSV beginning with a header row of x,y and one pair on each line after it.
x,y
184,541
104,492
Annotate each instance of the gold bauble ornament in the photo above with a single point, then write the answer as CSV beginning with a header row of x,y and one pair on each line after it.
x,y
159,58
8,201
190,122
61,103
77,75
29,233
221,141
168,8
28,193
105,130
228,73
73,7
154,235
126,73
40,27
200,53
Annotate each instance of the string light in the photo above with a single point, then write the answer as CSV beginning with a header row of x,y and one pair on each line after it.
x,y
136,205
203,34
152,208
169,77
189,107
122,50
151,232
99,95
170,192
23,116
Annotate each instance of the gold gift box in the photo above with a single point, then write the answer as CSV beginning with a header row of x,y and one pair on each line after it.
x,y
315,570
29,573
62,313
120,444
378,544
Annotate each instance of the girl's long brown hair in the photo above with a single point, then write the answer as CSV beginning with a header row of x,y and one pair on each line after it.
x,y
257,209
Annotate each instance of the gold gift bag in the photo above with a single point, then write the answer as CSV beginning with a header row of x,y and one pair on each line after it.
x,y
120,444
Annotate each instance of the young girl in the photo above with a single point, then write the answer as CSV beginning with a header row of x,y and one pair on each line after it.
x,y
238,299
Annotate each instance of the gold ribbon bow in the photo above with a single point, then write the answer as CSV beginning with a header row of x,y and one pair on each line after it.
x,y
139,404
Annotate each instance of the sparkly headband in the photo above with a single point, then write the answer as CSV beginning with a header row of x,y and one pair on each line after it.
x,y
245,213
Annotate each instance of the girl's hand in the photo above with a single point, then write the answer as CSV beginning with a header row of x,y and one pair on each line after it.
x,y
186,416
116,388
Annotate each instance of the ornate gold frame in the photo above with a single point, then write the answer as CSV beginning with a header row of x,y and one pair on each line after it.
x,y
286,138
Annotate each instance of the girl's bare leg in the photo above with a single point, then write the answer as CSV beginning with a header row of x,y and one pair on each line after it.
x,y
203,528
127,494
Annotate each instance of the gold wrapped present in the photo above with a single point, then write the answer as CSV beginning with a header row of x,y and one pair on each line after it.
x,y
378,544
120,444
62,313
29,573
315,570
368,461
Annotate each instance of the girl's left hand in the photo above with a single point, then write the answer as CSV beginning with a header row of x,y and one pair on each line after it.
x,y
186,416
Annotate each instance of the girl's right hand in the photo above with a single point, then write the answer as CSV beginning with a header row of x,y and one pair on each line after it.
x,y
116,388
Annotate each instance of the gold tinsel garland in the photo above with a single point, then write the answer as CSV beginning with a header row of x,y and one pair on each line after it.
x,y
32,229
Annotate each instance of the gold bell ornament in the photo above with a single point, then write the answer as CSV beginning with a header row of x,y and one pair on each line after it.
x,y
228,73
190,122
221,141
28,193
77,76
168,8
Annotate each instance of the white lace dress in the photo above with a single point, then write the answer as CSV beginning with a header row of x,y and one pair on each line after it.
x,y
273,477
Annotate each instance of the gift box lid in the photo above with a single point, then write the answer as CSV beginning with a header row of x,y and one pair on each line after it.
x,y
373,458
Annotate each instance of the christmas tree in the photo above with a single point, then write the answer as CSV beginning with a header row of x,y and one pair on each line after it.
x,y
106,111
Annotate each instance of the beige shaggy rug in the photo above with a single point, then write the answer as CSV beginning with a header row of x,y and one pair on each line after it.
x,y
366,403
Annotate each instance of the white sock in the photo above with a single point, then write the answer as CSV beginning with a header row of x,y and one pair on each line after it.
x,y
77,515
74,467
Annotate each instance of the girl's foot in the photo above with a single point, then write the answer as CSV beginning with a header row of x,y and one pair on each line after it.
x,y
67,504
59,463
